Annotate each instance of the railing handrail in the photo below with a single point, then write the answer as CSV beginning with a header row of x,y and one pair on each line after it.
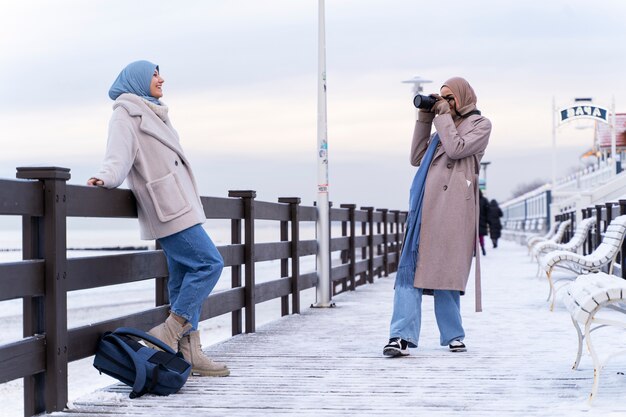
x,y
45,275
533,193
590,169
583,180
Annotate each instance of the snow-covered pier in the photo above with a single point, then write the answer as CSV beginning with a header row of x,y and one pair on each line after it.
x,y
329,361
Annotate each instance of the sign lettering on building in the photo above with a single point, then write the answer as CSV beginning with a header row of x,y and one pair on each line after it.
x,y
583,111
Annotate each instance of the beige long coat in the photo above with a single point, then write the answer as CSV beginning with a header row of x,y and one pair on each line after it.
x,y
146,150
449,212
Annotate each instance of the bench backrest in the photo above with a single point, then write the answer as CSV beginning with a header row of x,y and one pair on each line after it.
x,y
533,239
613,237
553,229
561,231
580,235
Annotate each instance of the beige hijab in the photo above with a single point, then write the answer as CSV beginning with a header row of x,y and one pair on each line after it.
x,y
465,96
466,103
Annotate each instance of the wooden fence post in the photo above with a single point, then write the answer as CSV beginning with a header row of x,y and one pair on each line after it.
x,y
33,314
162,294
351,242
396,237
54,250
344,253
248,197
294,215
235,276
284,264
370,244
385,241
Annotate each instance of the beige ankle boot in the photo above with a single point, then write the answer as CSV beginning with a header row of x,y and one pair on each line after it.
x,y
201,364
170,332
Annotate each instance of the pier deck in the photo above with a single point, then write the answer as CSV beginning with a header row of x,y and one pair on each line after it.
x,y
328,362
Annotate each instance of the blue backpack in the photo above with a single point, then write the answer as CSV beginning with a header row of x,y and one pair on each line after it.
x,y
144,369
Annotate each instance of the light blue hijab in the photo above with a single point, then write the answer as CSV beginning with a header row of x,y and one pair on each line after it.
x,y
135,79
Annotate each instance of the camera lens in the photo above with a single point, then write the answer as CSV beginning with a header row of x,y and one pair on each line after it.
x,y
424,102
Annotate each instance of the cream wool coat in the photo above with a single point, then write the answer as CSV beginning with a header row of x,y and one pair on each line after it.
x,y
449,212
146,151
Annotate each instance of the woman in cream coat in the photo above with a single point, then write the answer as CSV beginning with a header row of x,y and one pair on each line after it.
x,y
442,224
144,149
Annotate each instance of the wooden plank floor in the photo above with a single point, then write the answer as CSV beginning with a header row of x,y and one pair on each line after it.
x,y
328,362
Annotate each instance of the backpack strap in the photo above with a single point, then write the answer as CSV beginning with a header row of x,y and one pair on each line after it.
x,y
129,331
140,370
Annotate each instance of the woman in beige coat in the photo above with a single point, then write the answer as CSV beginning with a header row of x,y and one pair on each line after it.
x,y
143,148
441,236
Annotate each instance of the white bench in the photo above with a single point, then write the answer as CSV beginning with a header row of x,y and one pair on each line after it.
x,y
555,237
579,238
585,297
603,256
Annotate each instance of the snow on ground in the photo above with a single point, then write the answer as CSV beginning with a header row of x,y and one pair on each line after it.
x,y
94,305
329,361
87,306
519,351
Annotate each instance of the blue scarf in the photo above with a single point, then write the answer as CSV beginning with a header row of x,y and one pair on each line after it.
x,y
409,255
135,79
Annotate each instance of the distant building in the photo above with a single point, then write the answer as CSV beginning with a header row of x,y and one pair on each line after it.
x,y
603,134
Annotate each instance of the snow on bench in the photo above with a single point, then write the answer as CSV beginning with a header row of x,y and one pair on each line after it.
x,y
555,236
579,238
585,297
531,240
603,256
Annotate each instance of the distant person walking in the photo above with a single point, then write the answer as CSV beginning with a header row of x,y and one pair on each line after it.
x,y
495,225
483,223
441,234
144,149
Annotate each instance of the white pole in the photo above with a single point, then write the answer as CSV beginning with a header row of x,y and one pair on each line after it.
x,y
614,157
323,222
553,143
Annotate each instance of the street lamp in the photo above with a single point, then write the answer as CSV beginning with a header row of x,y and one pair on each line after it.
x,y
417,82
323,219
418,88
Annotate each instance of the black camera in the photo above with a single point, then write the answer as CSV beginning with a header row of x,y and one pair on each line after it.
x,y
424,102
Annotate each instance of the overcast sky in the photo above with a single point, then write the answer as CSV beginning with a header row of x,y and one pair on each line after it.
x,y
240,80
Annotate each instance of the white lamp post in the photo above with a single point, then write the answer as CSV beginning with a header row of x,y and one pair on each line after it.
x,y
323,218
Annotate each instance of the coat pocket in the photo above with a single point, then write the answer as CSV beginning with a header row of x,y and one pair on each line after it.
x,y
168,197
466,185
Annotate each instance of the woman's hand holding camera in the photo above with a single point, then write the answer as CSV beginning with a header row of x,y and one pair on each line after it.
x,y
441,106
432,103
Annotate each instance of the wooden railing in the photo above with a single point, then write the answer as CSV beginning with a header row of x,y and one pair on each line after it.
x,y
44,200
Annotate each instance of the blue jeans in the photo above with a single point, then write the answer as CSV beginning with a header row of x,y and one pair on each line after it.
x,y
407,315
195,265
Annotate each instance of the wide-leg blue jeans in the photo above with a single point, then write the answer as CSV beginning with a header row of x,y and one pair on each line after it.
x,y
195,265
407,315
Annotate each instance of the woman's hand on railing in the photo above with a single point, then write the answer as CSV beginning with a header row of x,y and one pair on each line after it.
x,y
93,181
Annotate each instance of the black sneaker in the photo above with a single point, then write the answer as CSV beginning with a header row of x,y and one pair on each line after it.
x,y
396,347
457,346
